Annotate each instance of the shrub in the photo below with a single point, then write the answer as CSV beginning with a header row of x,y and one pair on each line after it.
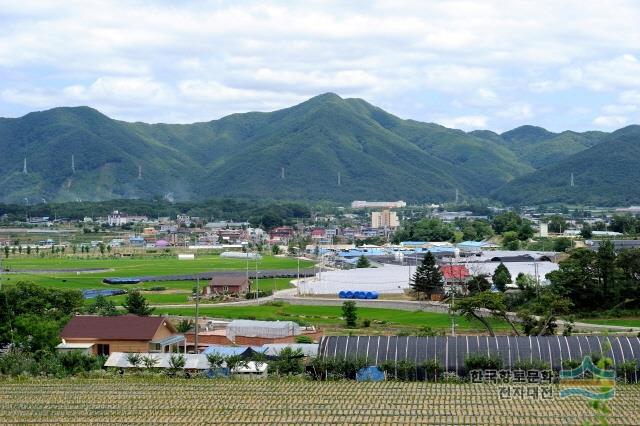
x,y
432,369
482,362
366,322
289,362
570,364
134,359
304,339
349,312
538,364
258,294
628,371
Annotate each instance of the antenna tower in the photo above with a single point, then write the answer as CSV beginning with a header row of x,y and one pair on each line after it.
x,y
24,166
282,172
73,164
457,195
572,184
338,178
139,172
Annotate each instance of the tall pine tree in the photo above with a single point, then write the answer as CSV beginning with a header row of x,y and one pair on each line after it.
x,y
427,279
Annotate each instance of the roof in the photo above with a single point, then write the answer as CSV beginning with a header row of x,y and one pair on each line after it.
x,y
266,329
192,361
454,271
229,280
451,351
124,327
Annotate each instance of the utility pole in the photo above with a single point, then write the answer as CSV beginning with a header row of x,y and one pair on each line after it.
x,y
73,164
298,276
197,314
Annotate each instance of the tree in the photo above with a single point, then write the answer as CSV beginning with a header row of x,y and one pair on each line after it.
x,y
289,362
478,284
471,307
184,325
501,277
349,312
363,262
136,304
103,307
427,229
586,231
510,240
557,224
234,362
562,244
539,318
275,249
427,279
6,251
605,261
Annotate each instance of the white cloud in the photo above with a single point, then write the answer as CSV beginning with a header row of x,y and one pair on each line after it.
x,y
610,121
491,59
467,122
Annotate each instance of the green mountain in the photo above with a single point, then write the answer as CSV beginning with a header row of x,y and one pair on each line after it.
x,y
605,174
376,155
325,148
539,147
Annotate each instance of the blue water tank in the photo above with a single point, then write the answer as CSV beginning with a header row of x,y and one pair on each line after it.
x,y
374,294
358,295
348,295
342,294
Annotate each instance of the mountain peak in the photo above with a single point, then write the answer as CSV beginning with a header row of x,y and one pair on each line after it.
x,y
527,134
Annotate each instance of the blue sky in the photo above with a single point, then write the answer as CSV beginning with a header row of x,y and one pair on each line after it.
x,y
471,65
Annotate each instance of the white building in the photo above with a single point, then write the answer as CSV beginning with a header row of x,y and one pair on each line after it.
x,y
117,218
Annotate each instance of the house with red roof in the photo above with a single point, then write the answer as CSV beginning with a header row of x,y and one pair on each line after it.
x,y
455,274
99,335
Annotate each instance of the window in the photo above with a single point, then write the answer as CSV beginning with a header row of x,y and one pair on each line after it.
x,y
102,349
225,288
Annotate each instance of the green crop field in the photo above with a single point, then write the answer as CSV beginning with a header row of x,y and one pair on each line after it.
x,y
44,271
131,400
331,316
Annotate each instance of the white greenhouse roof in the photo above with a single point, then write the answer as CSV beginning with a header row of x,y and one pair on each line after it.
x,y
268,329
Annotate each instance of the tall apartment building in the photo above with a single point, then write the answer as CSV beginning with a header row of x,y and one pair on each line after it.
x,y
384,219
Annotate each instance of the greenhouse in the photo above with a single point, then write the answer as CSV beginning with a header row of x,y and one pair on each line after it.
x,y
450,352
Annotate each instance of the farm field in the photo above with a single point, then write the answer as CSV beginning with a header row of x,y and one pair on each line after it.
x,y
199,401
42,271
331,317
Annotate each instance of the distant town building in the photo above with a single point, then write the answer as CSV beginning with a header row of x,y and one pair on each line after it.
x,y
384,219
378,204
117,218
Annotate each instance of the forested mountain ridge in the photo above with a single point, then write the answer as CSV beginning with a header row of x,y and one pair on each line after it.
x,y
325,148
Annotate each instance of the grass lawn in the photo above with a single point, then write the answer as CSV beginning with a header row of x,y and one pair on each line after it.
x,y
623,322
331,316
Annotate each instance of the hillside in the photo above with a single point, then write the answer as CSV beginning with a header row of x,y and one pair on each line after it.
x,y
293,153
605,174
